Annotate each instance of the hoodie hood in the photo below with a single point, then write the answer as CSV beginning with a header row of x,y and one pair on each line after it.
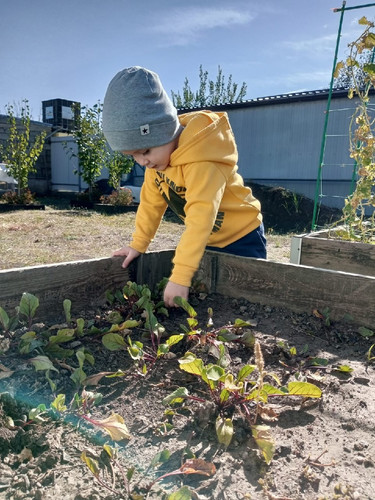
x,y
207,136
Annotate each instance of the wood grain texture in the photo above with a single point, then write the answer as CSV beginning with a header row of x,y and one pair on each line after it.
x,y
299,288
83,282
347,256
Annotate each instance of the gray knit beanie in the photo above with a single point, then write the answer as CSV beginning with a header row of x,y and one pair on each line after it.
x,y
137,112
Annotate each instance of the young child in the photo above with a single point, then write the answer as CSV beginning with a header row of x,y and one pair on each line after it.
x,y
191,166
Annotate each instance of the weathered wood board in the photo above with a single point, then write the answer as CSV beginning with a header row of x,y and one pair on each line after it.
x,y
83,282
317,250
298,288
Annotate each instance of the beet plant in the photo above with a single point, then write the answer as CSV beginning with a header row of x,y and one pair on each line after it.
x,y
248,395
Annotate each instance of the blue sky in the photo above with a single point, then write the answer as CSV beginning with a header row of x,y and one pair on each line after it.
x,y
71,49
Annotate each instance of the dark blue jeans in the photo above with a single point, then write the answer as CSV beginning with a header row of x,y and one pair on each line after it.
x,y
251,245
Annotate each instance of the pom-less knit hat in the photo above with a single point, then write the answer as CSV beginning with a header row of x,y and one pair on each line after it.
x,y
137,112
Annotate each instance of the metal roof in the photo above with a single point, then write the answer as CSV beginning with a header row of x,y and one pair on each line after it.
x,y
308,95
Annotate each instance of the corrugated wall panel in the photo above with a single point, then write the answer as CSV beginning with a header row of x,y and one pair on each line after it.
x,y
283,141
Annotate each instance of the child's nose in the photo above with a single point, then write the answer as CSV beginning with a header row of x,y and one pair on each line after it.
x,y
141,160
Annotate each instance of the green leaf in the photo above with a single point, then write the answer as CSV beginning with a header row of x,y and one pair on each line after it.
x,y
343,369
78,376
4,318
80,326
50,381
162,349
183,493
245,371
177,396
319,362
130,473
248,339
215,373
34,413
160,458
67,304
191,364
130,323
339,66
113,341
28,305
241,323
224,430
365,332
63,335
185,305
370,67
42,363
59,403
174,339
364,21
92,464
264,440
55,351
109,450
304,389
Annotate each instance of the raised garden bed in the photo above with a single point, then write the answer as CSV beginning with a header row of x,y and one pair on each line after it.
x,y
9,207
103,208
324,447
321,249
114,209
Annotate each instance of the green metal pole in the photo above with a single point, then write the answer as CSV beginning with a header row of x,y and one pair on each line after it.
x,y
323,145
355,7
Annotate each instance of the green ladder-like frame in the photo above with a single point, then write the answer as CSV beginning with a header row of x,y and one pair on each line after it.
x,y
324,139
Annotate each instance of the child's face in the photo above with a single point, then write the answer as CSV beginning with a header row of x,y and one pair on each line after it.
x,y
156,158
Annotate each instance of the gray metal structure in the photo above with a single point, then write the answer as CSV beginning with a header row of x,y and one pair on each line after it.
x,y
279,141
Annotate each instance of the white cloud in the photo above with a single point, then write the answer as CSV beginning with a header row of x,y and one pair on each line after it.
x,y
315,44
183,26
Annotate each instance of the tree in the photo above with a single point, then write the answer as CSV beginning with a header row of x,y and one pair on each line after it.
x,y
21,153
210,93
118,165
93,152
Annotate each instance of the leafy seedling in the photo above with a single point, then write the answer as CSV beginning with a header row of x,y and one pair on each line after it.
x,y
229,392
8,323
237,332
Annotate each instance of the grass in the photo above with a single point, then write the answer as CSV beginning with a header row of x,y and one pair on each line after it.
x,y
61,234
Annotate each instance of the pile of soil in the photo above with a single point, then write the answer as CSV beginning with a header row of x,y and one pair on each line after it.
x,y
288,212
324,448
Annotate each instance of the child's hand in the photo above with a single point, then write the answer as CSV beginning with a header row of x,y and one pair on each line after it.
x,y
129,253
173,290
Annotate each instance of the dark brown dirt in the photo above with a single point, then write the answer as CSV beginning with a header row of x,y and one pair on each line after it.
x,y
287,212
325,447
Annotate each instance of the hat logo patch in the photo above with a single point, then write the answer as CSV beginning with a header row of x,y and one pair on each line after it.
x,y
145,129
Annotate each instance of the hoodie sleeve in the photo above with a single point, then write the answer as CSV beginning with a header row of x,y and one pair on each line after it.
x,y
149,214
205,185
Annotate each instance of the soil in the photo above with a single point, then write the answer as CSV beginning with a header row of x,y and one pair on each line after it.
x,y
288,212
324,447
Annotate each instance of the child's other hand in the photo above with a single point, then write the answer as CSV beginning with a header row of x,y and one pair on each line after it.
x,y
129,253
173,290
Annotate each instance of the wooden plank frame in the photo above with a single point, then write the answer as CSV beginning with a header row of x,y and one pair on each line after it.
x,y
318,250
295,287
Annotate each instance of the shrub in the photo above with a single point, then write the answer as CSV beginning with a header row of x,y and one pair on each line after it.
x,y
13,198
121,197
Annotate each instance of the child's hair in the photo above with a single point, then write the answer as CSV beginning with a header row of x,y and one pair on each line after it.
x,y
137,112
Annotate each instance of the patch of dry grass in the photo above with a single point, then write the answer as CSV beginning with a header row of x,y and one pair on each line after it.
x,y
29,238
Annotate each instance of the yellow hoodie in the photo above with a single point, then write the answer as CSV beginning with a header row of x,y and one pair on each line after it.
x,y
202,186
